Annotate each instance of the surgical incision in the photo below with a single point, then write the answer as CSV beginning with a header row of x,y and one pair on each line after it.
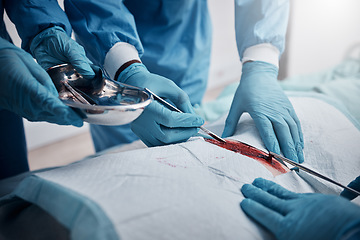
x,y
272,165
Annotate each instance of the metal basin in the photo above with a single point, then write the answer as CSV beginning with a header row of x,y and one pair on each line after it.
x,y
101,100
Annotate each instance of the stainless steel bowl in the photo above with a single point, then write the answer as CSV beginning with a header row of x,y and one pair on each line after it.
x,y
99,100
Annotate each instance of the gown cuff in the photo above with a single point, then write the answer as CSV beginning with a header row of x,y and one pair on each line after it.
x,y
264,52
118,55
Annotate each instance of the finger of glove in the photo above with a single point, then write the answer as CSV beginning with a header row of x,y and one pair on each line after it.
x,y
266,217
294,130
142,132
176,95
47,105
185,106
77,58
49,53
47,93
298,124
150,141
264,198
39,74
148,130
274,189
61,115
232,120
173,119
175,135
285,139
355,184
27,93
267,134
64,118
156,133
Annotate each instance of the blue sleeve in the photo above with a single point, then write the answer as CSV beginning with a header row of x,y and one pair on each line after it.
x,y
261,21
31,17
3,33
98,25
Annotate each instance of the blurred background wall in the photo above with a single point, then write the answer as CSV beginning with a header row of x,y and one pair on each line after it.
x,y
321,34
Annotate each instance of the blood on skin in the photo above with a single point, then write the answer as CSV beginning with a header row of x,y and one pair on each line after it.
x,y
262,157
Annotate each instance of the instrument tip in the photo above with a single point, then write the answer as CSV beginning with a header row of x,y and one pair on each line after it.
x,y
217,137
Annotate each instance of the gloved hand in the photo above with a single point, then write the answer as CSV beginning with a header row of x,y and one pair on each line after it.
x,y
27,90
260,95
158,125
53,47
290,215
355,184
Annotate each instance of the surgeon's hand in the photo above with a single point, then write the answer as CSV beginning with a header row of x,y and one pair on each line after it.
x,y
158,125
355,184
27,90
53,47
290,215
260,95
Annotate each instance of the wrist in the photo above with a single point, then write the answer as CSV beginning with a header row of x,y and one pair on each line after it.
x,y
253,67
129,71
119,55
124,67
264,52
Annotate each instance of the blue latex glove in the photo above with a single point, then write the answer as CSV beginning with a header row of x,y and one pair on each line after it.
x,y
290,215
158,125
53,46
354,185
260,94
27,90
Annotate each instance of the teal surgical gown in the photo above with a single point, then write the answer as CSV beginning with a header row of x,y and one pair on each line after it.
x,y
13,151
172,37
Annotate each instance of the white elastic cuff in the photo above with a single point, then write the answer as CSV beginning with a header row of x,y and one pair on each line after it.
x,y
264,52
119,54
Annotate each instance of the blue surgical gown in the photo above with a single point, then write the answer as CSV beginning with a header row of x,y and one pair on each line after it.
x,y
29,17
13,151
172,37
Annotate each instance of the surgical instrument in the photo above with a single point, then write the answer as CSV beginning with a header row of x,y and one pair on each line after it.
x,y
312,172
77,95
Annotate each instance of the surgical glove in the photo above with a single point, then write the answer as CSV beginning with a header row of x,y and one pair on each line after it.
x,y
158,125
290,215
27,90
260,95
354,185
53,47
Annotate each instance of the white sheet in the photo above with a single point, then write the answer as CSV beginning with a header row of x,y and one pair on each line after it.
x,y
191,190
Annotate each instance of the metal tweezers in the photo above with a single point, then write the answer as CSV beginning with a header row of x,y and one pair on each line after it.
x,y
77,95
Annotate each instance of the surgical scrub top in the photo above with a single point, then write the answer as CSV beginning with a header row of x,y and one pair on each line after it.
x,y
13,151
171,37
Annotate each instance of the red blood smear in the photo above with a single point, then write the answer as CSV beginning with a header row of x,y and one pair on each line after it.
x,y
273,166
